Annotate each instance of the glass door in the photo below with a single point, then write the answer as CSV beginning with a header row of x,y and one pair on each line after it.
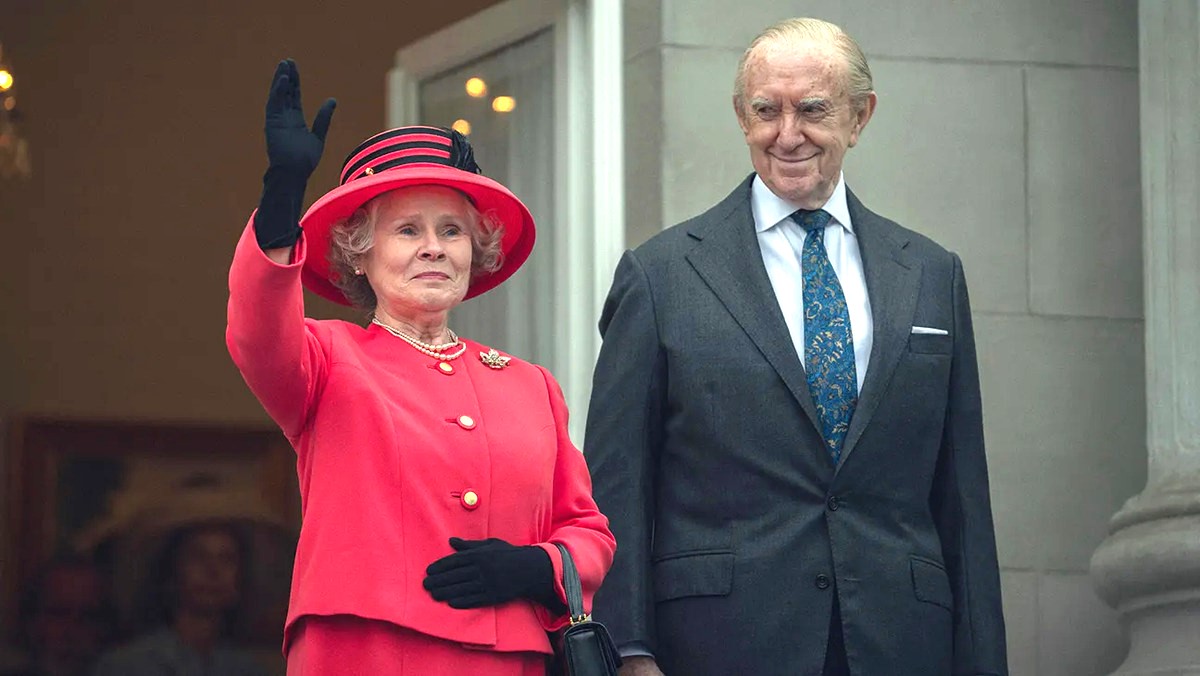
x,y
504,103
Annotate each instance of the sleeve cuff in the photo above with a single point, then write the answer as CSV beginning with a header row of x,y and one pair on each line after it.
x,y
550,621
635,649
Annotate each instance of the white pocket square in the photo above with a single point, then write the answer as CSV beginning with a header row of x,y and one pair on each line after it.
x,y
930,331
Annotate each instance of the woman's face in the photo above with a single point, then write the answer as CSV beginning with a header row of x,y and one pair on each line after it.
x,y
421,259
207,570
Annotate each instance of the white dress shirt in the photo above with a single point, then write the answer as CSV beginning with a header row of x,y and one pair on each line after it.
x,y
782,240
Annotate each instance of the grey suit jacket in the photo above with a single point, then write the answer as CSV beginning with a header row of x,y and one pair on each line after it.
x,y
734,531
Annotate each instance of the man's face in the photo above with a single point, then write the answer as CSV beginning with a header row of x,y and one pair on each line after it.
x,y
798,119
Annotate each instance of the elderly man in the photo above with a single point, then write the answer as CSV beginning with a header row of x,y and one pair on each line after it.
x,y
785,427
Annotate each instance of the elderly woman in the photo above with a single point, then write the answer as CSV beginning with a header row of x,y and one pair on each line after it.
x,y
436,473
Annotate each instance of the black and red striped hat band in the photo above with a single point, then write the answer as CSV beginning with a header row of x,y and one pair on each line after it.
x,y
407,146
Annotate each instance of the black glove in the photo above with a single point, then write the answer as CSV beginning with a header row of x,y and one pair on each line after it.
x,y
489,572
293,151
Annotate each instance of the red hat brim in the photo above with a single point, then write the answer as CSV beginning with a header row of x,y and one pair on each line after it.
x,y
487,195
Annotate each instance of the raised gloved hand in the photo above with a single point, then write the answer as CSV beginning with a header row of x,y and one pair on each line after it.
x,y
294,152
489,572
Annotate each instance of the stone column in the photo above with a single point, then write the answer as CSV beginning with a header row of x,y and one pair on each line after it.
x,y
1149,566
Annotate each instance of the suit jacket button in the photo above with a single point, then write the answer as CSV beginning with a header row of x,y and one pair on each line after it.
x,y
446,367
822,581
832,503
470,499
466,422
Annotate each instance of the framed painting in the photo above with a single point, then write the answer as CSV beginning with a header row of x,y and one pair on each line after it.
x,y
79,487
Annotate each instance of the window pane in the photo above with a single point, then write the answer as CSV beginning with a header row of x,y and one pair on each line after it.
x,y
506,100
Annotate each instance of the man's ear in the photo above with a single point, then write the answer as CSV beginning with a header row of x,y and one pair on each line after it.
x,y
740,112
862,117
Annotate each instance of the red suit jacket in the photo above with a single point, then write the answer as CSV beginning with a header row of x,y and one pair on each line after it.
x,y
395,456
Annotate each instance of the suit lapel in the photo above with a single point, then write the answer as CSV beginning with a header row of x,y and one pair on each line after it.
x,y
729,260
893,282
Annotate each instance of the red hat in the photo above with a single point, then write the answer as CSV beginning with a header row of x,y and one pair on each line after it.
x,y
404,157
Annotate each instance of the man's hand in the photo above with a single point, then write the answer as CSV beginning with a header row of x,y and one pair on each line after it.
x,y
639,666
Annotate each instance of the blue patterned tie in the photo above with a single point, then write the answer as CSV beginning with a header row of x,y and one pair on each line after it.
x,y
828,343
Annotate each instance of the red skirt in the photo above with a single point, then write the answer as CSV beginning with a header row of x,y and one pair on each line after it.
x,y
351,645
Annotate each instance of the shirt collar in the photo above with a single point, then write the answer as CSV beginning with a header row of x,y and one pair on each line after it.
x,y
770,209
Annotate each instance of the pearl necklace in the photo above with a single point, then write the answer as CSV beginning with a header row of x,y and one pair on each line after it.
x,y
428,349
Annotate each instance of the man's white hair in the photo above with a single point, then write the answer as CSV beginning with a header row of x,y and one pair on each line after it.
x,y
858,74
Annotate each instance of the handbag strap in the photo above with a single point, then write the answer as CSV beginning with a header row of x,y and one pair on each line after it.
x,y
573,587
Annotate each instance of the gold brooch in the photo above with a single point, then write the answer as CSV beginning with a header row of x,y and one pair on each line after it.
x,y
493,359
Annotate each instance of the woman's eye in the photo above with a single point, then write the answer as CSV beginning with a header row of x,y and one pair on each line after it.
x,y
406,230
452,231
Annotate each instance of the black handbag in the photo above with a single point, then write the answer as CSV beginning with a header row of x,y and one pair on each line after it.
x,y
584,648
